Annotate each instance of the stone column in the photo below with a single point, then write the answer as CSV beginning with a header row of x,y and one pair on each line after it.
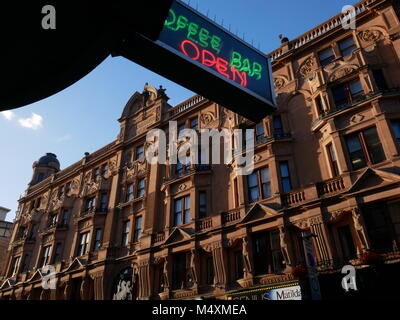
x,y
144,281
220,271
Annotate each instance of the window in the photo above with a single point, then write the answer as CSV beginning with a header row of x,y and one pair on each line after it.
x,y
61,191
260,132
57,253
96,173
141,188
138,229
267,253
125,233
129,194
182,211
252,185
249,136
67,188
40,177
326,57
53,220
347,46
83,247
202,204
285,176
278,128
346,242
333,160
238,265
90,203
37,203
194,123
178,270
139,152
65,217
266,183
364,148
259,183
104,170
396,130
377,223
25,263
210,271
46,252
347,93
380,80
103,202
34,230
182,168
97,240
15,265
318,104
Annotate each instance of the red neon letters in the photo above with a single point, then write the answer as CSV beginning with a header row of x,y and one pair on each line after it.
x,y
208,59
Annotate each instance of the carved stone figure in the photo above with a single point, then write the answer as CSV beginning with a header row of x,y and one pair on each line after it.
x,y
165,274
360,229
284,246
246,259
124,290
84,290
193,268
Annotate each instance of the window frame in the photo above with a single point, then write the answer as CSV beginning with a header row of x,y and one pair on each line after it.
x,y
283,178
184,212
353,46
83,248
138,228
329,59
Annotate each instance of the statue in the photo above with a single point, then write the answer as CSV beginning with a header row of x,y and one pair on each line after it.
x,y
165,274
246,259
360,230
150,94
124,290
193,266
284,246
84,288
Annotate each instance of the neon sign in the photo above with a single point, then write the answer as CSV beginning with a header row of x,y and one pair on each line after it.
x,y
202,42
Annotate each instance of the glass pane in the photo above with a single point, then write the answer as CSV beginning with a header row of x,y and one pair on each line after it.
x,y
353,143
286,185
265,175
347,46
266,189
187,202
202,198
178,218
254,194
339,95
396,129
356,88
284,168
178,205
187,216
326,56
194,123
260,129
374,145
252,179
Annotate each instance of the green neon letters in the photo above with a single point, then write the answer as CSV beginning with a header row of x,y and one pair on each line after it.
x,y
244,65
199,36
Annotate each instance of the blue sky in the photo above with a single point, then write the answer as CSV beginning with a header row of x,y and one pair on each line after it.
x,y
84,116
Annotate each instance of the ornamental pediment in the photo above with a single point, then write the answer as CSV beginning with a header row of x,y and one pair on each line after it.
x,y
372,179
259,212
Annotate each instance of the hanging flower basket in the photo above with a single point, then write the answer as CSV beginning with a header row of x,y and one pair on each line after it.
x,y
299,272
371,258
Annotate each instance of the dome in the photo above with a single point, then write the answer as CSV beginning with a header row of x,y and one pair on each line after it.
x,y
49,158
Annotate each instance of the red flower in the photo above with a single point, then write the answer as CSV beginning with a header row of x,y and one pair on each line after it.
x,y
371,258
299,272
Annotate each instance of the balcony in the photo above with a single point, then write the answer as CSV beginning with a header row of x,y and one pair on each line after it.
x,y
330,187
293,198
204,224
185,105
231,216
196,168
158,238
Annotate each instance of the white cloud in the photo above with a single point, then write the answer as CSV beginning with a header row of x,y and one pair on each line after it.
x,y
35,122
65,137
9,115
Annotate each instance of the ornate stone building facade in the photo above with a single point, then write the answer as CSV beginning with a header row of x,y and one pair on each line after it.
x,y
327,162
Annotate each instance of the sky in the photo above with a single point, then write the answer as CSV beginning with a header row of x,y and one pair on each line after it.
x,y
83,117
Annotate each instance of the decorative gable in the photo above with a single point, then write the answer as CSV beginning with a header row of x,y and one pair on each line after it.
x,y
178,235
372,178
259,212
